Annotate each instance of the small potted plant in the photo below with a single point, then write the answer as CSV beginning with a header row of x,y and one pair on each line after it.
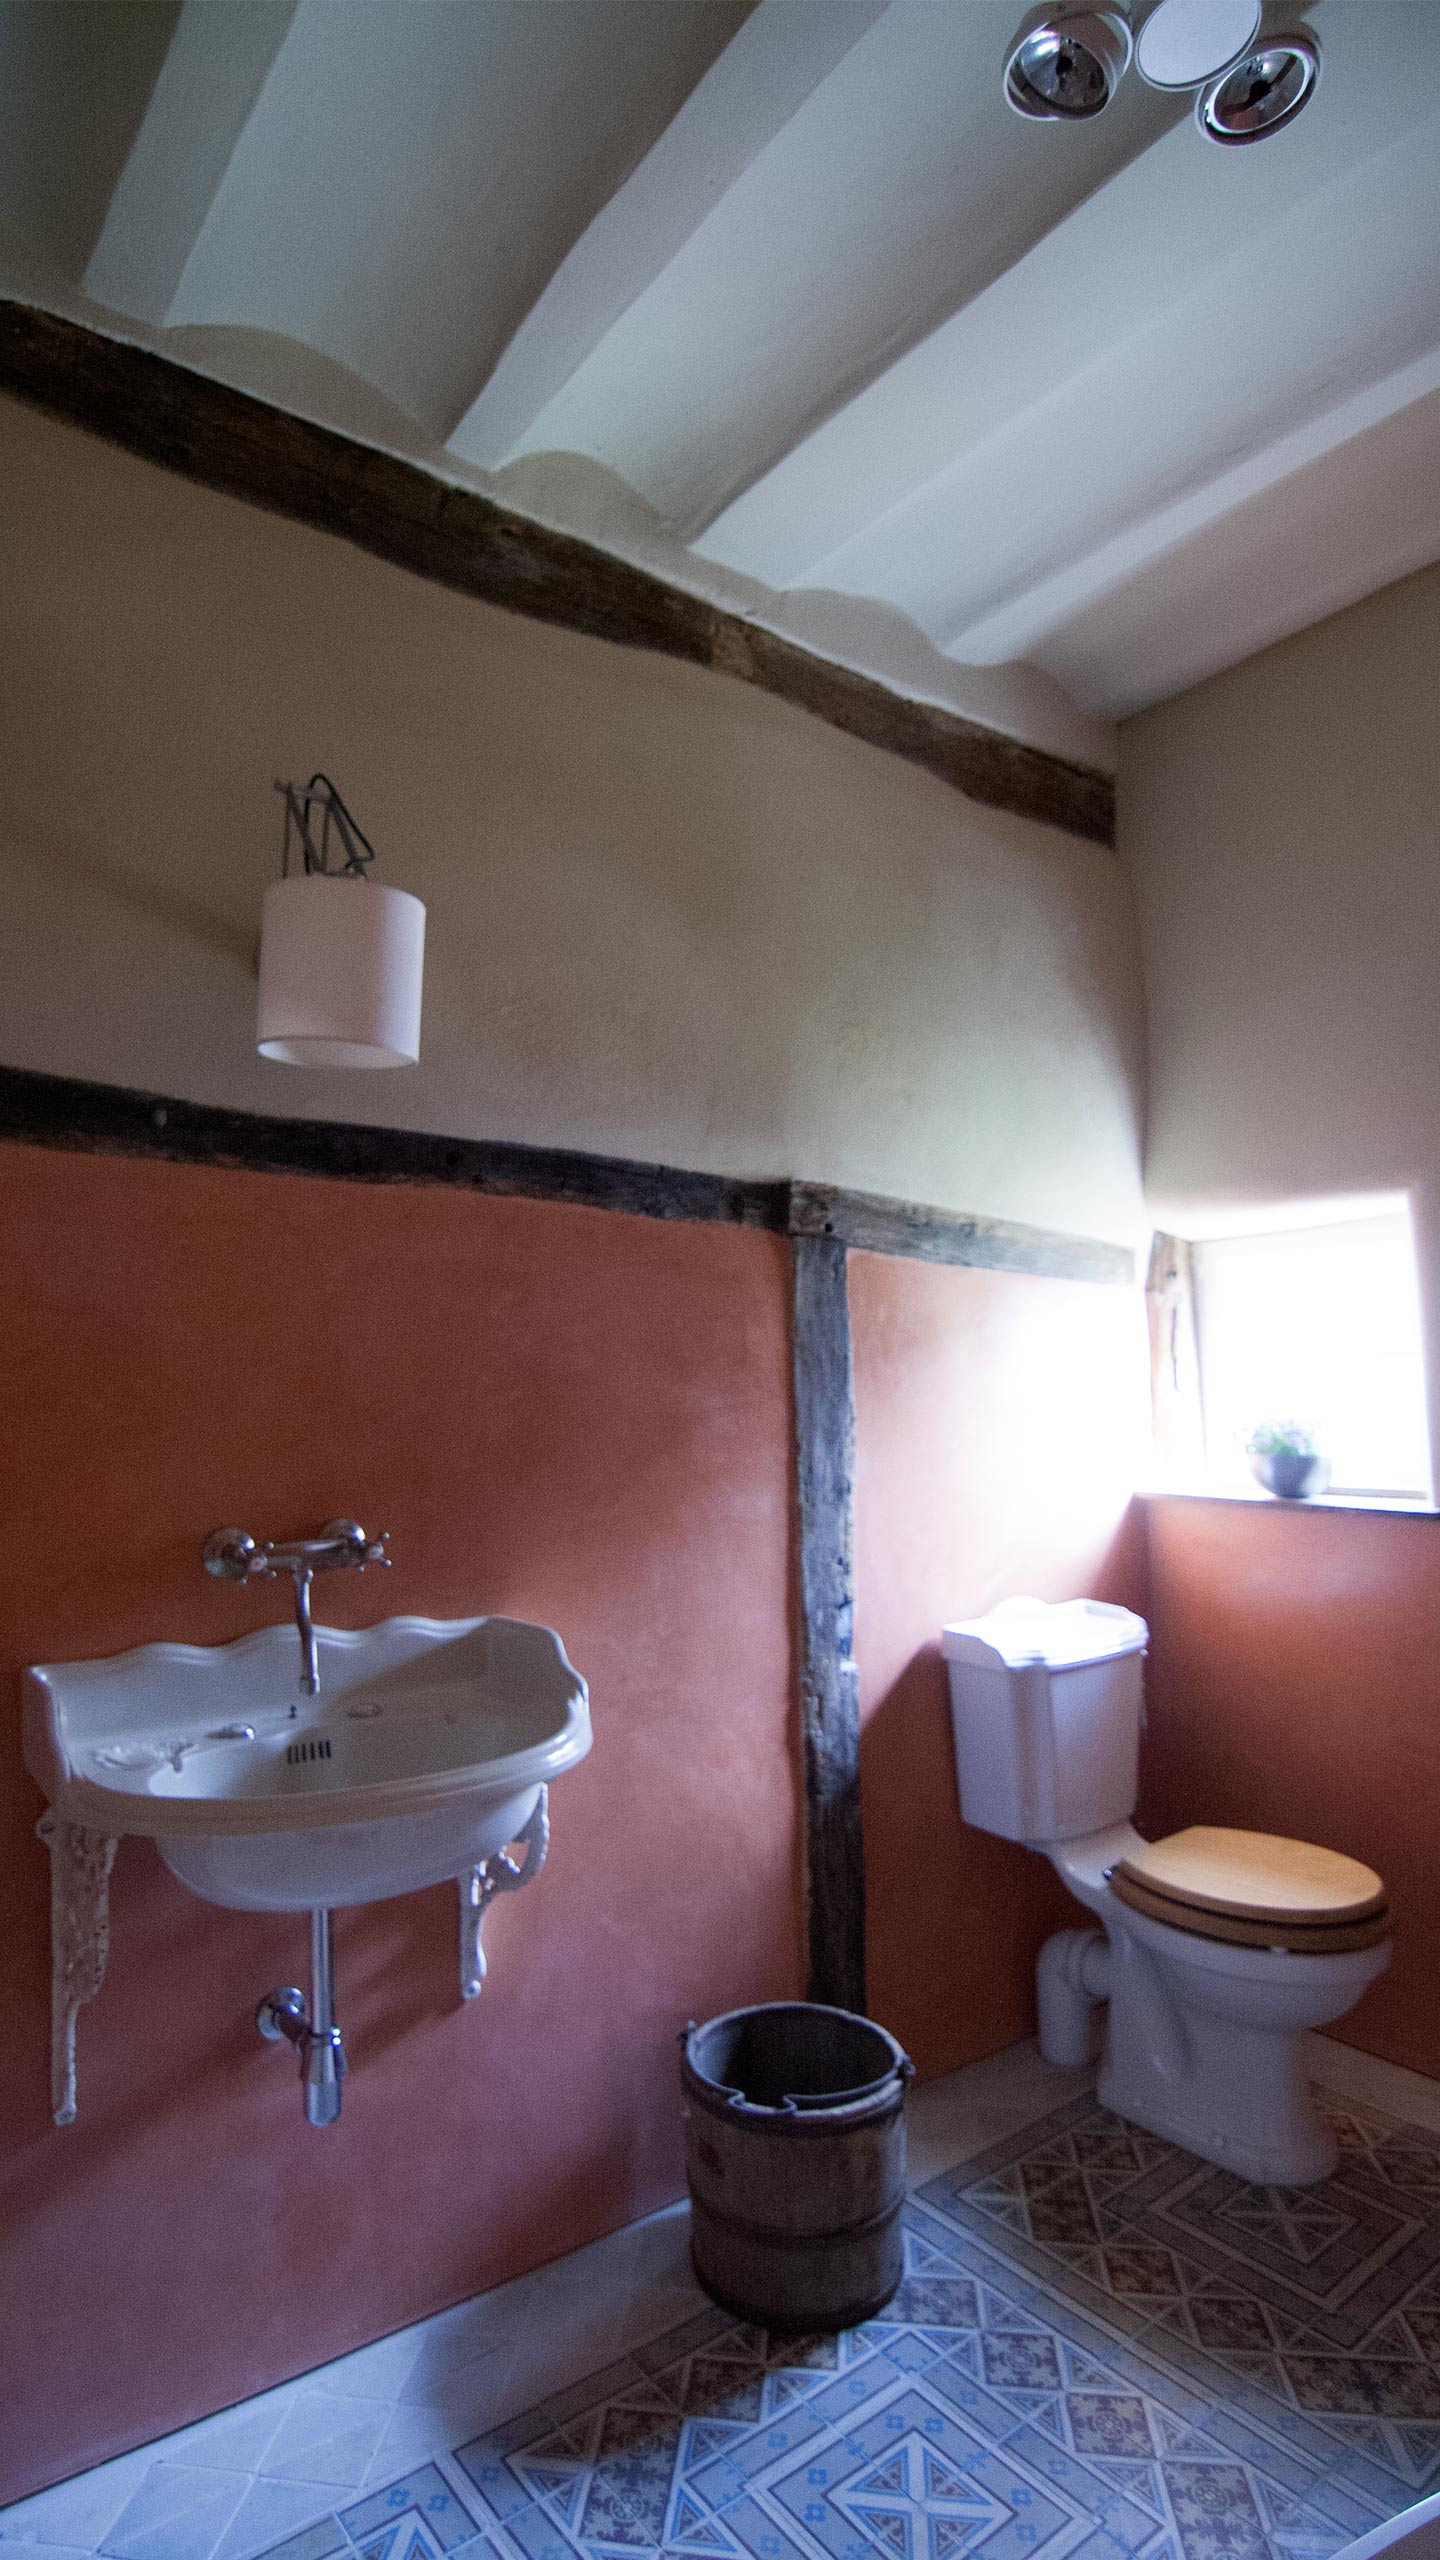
x,y
1286,1461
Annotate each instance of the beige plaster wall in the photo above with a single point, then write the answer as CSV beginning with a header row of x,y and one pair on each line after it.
x,y
1280,821
669,918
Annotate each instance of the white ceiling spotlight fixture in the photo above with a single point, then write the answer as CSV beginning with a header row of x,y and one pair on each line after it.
x,y
341,959
1262,92
1184,42
1066,64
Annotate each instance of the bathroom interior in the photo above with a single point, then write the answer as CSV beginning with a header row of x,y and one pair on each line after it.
x,y
912,720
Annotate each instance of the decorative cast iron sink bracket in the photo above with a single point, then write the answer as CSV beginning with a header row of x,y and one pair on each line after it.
x,y
497,1875
80,1864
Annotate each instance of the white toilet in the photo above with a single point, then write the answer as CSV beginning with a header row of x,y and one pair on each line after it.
x,y
1219,1948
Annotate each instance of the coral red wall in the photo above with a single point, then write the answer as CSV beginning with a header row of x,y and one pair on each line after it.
x,y
998,1424
575,1417
1294,1686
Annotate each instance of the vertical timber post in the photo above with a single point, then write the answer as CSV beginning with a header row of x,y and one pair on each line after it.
x,y
829,1683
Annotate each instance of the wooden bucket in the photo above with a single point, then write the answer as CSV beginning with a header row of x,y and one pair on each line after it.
x,y
795,2151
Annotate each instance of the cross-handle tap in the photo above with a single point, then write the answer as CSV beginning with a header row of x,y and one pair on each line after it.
x,y
234,1556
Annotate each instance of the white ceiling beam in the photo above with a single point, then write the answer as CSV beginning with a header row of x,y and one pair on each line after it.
x,y
1357,518
785,49
1247,364
413,175
1134,245
899,189
219,59
1017,627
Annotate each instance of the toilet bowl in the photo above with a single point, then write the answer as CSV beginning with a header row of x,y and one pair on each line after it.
x,y
1217,1951
1203,2039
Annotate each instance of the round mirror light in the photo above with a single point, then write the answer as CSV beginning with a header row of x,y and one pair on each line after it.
x,y
1186,41
1067,63
1263,93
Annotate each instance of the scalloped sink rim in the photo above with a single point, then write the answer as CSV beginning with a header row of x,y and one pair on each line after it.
x,y
174,1697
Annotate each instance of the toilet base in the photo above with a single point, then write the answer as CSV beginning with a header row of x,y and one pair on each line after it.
x,y
1199,2042
1294,2154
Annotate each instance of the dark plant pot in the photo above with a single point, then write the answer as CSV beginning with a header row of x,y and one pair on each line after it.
x,y
1294,1474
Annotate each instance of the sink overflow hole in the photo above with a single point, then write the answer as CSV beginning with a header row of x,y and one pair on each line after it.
x,y
295,1752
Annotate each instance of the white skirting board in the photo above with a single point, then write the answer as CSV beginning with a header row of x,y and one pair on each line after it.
x,y
1349,2073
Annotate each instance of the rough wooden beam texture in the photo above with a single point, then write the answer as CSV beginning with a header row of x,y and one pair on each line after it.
x,y
226,440
875,1225
106,1119
102,1119
829,1682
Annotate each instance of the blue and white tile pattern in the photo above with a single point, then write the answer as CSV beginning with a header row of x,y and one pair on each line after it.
x,y
1103,2349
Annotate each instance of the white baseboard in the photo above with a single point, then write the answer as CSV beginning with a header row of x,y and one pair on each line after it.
x,y
1367,2080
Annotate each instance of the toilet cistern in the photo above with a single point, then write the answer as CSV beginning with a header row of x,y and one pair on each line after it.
x,y
232,1555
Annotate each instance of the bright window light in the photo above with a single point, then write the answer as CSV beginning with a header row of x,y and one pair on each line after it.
x,y
1319,1326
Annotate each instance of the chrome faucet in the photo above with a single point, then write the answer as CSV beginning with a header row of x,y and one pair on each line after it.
x,y
233,1556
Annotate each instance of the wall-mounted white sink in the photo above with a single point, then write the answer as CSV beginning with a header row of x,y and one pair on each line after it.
x,y
366,1765
424,1753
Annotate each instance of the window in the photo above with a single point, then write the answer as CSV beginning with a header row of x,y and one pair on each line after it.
x,y
1317,1325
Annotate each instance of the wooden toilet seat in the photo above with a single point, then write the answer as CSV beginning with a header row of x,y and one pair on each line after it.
x,y
1251,1889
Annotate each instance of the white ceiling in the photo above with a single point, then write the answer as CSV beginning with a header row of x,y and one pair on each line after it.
x,y
1044,422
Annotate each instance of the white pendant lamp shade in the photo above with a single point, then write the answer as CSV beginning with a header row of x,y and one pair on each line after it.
x,y
341,964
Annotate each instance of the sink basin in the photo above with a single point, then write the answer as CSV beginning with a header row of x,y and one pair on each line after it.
x,y
424,1753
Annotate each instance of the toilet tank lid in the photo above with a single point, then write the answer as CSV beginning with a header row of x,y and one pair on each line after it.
x,y
1063,1633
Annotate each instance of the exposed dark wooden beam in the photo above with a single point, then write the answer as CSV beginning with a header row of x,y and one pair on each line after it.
x,y
227,440
875,1225
103,1119
107,1119
829,1681
983,763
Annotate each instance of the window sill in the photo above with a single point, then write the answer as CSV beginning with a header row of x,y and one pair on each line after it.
x,y
1410,1506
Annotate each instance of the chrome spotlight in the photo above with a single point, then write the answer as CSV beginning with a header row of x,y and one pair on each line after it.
x,y
1263,92
1067,63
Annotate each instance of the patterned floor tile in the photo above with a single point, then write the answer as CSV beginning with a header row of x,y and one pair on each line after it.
x,y
416,2518
957,2421
1102,2349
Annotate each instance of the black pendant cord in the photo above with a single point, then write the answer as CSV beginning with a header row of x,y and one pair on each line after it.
x,y
335,818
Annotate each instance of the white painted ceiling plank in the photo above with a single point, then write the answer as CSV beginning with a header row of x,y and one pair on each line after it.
x,y
1134,244
1355,519
1096,409
767,71
400,197
1338,293
900,188
218,62
1019,626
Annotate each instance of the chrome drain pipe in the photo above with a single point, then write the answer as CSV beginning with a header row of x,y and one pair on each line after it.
x,y
283,2017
